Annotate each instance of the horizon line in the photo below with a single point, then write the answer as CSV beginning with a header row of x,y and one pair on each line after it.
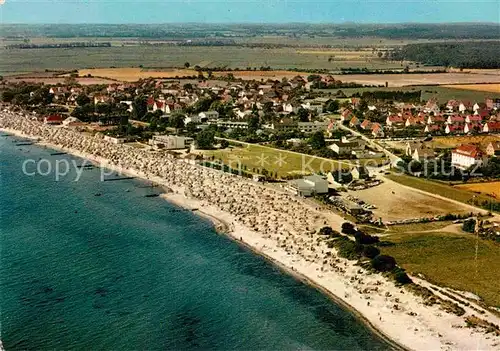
x,y
256,23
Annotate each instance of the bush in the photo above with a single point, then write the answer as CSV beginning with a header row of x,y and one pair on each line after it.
x,y
328,231
348,249
384,263
400,276
370,251
348,228
365,239
469,226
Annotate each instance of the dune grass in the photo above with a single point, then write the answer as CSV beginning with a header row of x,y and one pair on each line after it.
x,y
450,260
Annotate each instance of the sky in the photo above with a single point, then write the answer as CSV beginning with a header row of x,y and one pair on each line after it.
x,y
248,11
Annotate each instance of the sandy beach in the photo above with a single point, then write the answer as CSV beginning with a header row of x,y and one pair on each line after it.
x,y
283,229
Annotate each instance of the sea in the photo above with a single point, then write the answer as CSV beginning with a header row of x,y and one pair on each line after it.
x,y
96,265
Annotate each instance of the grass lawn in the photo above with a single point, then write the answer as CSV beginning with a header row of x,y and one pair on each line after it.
x,y
285,163
449,260
415,227
437,188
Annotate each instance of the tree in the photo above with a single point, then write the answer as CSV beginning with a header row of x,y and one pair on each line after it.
x,y
191,128
187,64
332,106
140,106
370,251
253,124
205,139
176,120
383,263
317,140
82,99
348,228
303,114
224,144
469,226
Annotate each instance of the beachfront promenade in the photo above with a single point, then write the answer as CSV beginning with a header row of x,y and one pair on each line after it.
x,y
280,226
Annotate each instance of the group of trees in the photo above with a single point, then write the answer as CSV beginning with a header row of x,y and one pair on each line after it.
x,y
364,245
480,54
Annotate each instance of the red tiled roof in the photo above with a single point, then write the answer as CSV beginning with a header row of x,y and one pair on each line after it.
x,y
468,150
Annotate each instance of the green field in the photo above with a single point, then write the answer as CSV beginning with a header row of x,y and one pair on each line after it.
x,y
448,259
438,188
442,94
27,60
285,163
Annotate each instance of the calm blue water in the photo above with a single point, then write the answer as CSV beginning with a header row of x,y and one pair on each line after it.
x,y
121,271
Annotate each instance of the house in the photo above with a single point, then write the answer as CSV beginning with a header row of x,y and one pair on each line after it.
x,y
436,119
464,106
162,106
493,148
346,115
453,129
286,124
193,119
466,155
452,105
312,127
170,142
454,119
377,131
423,155
308,186
346,148
432,128
209,114
473,119
393,120
53,120
365,125
493,104
354,122
360,172
491,127
472,127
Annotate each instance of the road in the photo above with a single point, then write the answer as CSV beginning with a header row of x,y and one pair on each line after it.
x,y
394,159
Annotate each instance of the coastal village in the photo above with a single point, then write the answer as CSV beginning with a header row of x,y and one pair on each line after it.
x,y
206,142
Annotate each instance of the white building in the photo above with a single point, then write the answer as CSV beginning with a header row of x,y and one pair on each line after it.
x,y
209,114
308,186
466,156
170,142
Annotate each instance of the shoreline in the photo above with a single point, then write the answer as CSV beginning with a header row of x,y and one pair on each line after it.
x,y
430,330
224,228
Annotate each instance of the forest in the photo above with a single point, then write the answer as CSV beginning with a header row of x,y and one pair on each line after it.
x,y
294,30
481,54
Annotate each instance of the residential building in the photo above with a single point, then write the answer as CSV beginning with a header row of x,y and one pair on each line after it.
x,y
53,119
491,127
360,172
312,127
493,148
209,114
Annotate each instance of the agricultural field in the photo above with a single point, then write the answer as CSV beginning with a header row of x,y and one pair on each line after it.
x,y
449,259
441,93
493,88
395,202
26,60
438,188
285,163
488,188
454,141
134,74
